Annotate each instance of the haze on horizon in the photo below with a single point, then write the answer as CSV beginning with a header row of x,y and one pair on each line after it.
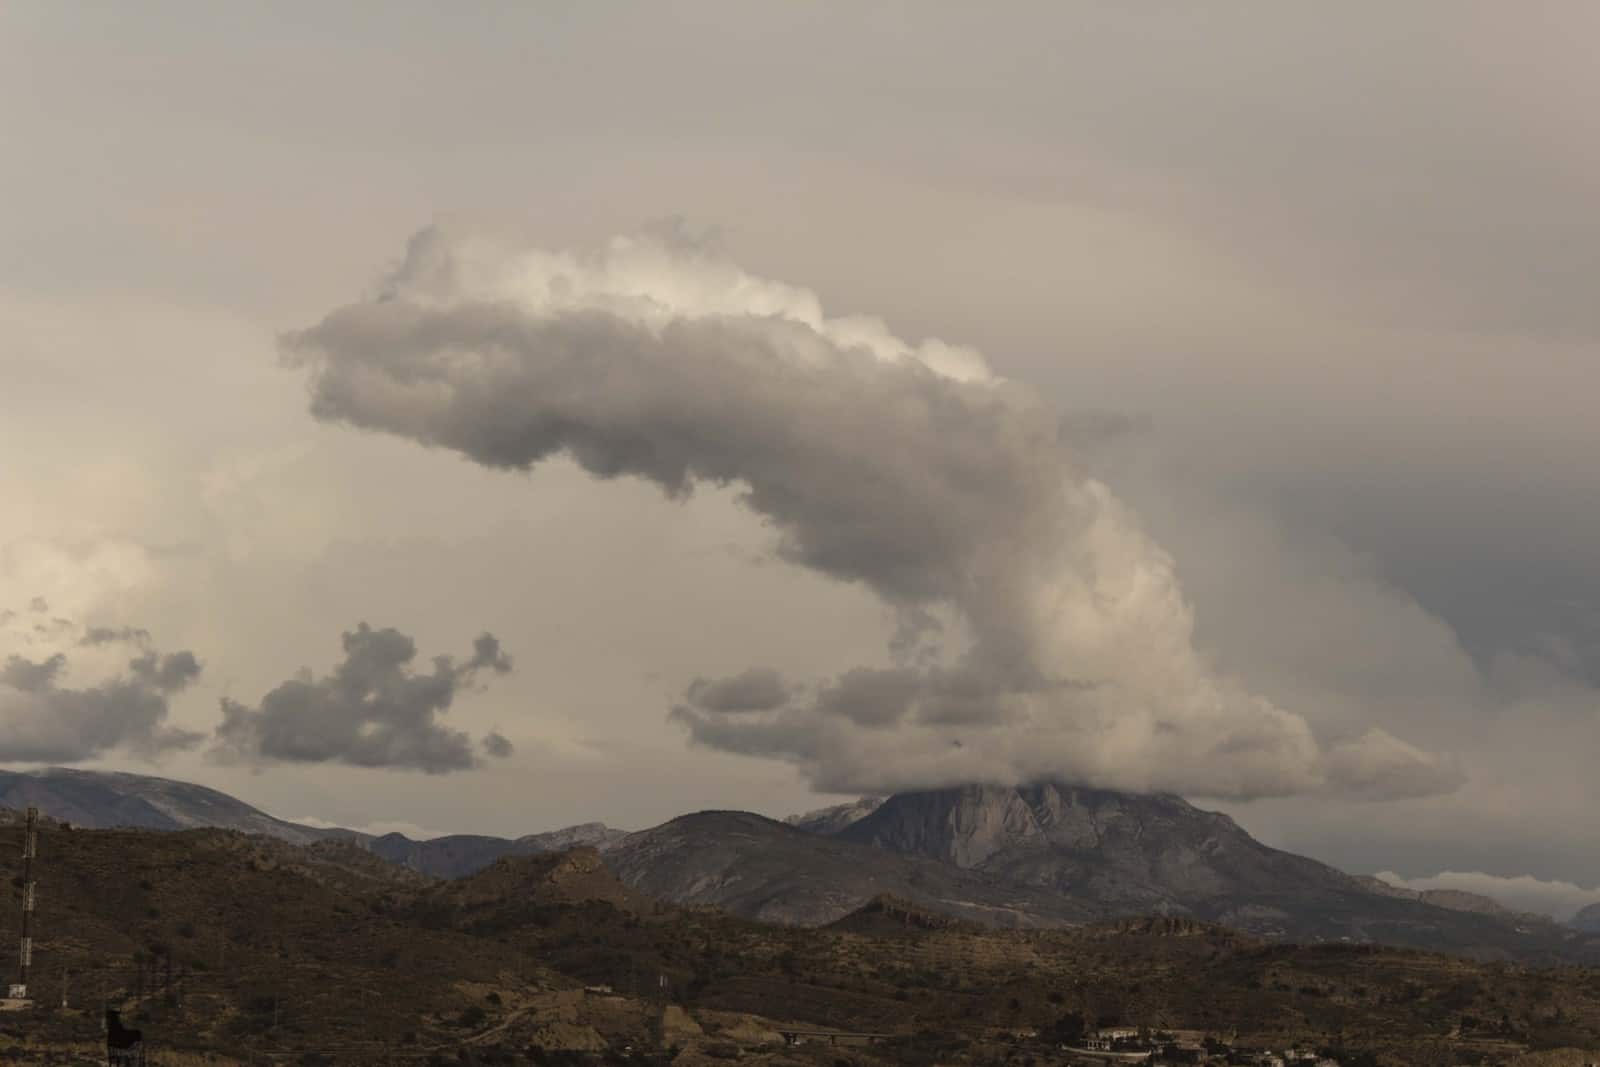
x,y
1147,397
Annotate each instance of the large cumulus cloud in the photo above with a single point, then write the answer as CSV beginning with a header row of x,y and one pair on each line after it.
x,y
372,710
121,705
1043,633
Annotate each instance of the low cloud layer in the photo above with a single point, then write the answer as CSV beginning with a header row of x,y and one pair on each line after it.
x,y
1043,633
372,710
1557,899
46,717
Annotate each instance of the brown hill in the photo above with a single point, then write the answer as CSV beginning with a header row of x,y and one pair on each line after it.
x,y
577,876
891,916
218,942
214,938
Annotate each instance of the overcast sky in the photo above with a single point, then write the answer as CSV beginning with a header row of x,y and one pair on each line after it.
x,y
1310,290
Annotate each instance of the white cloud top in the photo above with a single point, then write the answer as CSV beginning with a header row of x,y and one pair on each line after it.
x,y
1044,634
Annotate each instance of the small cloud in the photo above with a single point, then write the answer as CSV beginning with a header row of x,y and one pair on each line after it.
x,y
757,689
96,636
372,710
168,674
43,721
32,677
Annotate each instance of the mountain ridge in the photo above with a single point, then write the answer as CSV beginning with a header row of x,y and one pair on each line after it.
x,y
1034,856
763,869
108,800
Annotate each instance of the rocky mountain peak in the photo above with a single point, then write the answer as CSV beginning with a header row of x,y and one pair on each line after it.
x,y
1132,852
964,825
967,825
832,819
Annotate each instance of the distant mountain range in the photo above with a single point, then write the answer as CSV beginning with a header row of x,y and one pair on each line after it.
x,y
104,799
99,800
324,953
1453,900
1050,855
458,855
1036,856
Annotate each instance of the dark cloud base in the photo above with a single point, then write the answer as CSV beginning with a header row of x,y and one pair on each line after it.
x,y
372,710
43,721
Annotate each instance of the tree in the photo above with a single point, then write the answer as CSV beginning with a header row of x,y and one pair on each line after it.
x,y
1070,1028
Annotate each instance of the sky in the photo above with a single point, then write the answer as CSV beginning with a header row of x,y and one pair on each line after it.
x,y
495,419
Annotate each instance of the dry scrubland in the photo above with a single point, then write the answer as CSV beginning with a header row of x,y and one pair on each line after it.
x,y
234,949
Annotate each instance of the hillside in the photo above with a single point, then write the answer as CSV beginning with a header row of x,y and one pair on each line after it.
x,y
831,820
1037,856
890,916
210,935
1128,854
109,800
762,869
458,855
576,876
1452,900
218,942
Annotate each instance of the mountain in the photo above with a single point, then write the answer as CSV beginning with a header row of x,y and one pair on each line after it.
x,y
211,941
890,916
516,883
1587,920
452,856
1037,856
762,869
106,799
458,855
1131,853
596,835
1453,900
1121,854
833,819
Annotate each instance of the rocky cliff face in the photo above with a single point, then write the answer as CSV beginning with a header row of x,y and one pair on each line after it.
x,y
964,826
1157,853
763,869
831,820
1051,856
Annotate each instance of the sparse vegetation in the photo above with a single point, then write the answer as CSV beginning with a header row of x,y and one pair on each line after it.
x,y
219,945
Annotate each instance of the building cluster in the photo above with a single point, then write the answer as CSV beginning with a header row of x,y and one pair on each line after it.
x,y
1128,1045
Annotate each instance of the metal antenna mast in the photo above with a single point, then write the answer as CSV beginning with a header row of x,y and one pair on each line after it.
x,y
30,848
